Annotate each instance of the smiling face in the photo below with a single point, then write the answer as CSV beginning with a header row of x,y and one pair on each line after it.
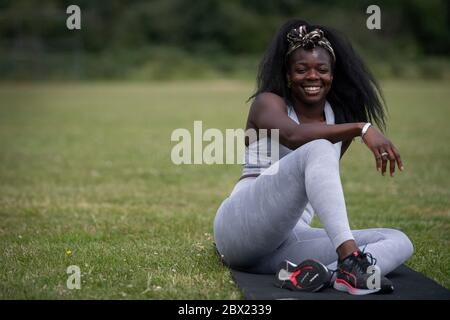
x,y
310,74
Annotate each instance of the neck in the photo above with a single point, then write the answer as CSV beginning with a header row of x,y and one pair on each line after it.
x,y
309,112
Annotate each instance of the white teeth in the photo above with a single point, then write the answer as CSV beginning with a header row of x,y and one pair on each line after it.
x,y
311,89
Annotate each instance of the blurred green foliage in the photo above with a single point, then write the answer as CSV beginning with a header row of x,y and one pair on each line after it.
x,y
164,39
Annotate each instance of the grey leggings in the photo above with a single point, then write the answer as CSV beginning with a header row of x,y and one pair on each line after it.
x,y
260,224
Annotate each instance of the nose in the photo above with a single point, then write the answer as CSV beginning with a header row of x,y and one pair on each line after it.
x,y
312,75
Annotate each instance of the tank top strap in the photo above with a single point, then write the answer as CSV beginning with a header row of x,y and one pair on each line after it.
x,y
291,113
329,114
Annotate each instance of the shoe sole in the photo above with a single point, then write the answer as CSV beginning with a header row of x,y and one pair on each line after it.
x,y
321,275
343,286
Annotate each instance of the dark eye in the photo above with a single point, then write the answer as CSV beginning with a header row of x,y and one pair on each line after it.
x,y
323,70
300,70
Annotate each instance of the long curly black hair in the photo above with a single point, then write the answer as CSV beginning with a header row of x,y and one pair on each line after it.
x,y
355,95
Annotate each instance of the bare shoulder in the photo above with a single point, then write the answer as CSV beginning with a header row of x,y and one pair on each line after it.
x,y
267,100
265,107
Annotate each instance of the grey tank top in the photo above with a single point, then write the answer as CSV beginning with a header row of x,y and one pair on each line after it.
x,y
258,154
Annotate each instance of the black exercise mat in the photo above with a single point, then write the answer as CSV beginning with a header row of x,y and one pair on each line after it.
x,y
409,285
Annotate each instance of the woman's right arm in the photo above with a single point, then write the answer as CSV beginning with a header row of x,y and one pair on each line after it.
x,y
268,111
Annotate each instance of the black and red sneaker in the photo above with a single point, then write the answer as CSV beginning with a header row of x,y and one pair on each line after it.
x,y
309,276
353,276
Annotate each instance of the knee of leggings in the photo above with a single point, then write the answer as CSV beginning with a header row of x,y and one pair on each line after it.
x,y
319,148
406,248
319,143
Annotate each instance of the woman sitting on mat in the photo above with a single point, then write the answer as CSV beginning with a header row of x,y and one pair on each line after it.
x,y
319,94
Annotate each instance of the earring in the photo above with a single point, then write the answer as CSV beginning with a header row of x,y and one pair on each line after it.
x,y
289,83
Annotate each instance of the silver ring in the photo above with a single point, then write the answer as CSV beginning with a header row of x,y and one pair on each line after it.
x,y
384,154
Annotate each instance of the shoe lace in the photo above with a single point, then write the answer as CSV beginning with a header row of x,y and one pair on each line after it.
x,y
367,259
362,261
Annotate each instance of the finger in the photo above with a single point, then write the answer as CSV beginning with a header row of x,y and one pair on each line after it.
x,y
383,162
398,158
391,161
377,159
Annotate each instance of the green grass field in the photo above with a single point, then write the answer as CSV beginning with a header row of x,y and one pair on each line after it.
x,y
86,168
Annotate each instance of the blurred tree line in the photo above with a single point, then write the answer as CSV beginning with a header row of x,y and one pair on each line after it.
x,y
157,39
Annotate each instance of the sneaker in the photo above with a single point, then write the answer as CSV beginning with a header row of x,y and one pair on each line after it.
x,y
309,276
352,275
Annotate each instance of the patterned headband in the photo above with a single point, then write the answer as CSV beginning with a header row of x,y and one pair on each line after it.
x,y
300,38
